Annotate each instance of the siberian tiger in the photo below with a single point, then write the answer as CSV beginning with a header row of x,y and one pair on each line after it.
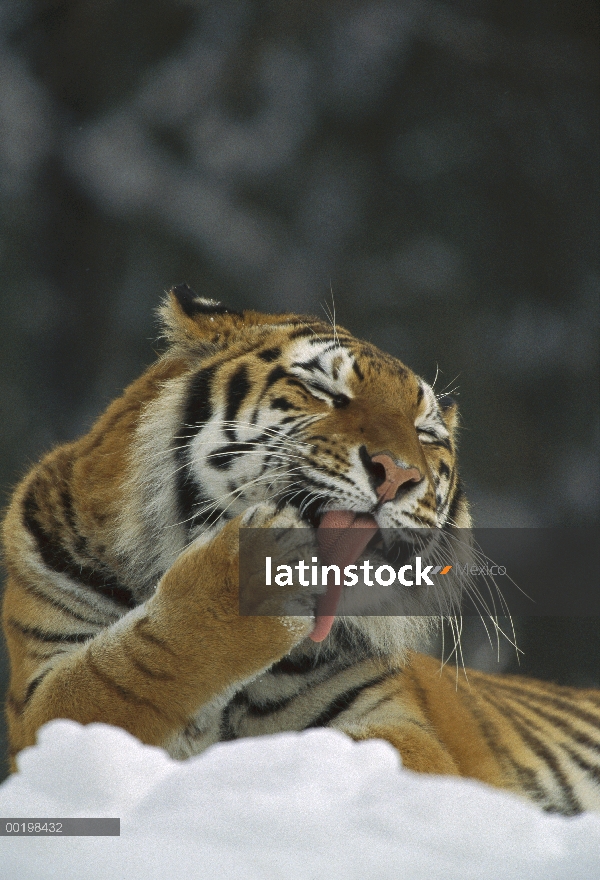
x,y
121,603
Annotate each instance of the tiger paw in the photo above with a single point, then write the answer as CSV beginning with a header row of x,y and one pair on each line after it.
x,y
276,555
267,515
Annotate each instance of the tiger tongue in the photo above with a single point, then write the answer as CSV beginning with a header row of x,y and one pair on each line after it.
x,y
342,536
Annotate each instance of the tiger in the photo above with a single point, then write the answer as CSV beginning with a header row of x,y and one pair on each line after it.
x,y
121,602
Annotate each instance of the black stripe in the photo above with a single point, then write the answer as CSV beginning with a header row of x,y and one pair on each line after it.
x,y
49,653
270,707
423,701
300,666
124,693
237,390
298,384
421,693
527,778
358,370
197,411
555,700
110,589
320,484
262,709
244,706
269,354
302,499
300,332
439,442
54,603
33,685
420,394
343,701
352,643
270,436
456,500
16,705
159,675
283,404
525,728
339,340
576,735
328,348
312,364
222,458
49,637
56,557
140,629
80,542
591,769
226,728
275,375
444,469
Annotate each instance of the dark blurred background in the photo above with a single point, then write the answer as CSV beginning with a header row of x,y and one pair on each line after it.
x,y
435,164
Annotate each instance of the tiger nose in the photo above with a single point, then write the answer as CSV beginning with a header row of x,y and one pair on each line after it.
x,y
395,476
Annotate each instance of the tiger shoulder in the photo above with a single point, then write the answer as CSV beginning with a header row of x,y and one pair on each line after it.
x,y
122,553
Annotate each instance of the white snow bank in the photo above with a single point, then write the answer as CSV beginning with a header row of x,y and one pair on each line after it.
x,y
302,806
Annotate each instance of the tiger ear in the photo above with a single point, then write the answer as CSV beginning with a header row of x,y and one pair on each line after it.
x,y
187,317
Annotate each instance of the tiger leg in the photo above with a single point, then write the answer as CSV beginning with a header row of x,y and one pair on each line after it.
x,y
421,710
419,749
157,666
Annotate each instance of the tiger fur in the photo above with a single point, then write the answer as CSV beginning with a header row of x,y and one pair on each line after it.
x,y
121,602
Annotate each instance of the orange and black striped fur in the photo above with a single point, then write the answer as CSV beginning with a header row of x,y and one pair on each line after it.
x,y
121,603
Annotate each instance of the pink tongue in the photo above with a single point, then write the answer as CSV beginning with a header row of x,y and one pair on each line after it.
x,y
339,548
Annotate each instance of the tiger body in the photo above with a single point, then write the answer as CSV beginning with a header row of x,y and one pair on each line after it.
x,y
122,552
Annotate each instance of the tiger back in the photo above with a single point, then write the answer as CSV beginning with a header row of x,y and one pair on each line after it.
x,y
122,552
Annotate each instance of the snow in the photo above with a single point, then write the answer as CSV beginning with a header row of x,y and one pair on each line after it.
x,y
302,806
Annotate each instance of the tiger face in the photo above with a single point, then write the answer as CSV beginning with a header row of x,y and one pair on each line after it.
x,y
287,409
302,420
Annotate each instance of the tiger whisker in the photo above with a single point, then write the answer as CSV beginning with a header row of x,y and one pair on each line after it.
x,y
240,489
208,506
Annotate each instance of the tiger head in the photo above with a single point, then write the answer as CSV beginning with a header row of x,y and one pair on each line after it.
x,y
286,407
289,409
